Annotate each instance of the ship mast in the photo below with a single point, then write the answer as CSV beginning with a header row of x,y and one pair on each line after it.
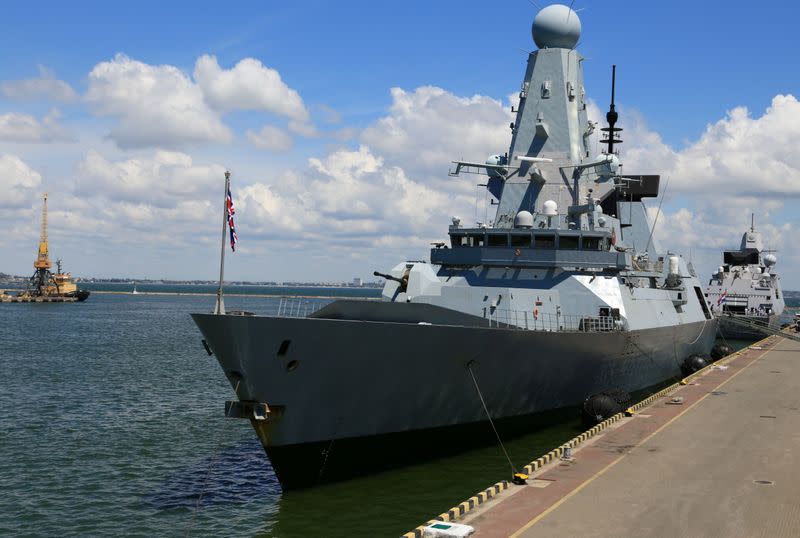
x,y
42,259
612,117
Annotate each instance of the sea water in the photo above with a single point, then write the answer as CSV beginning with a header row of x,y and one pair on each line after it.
x,y
112,424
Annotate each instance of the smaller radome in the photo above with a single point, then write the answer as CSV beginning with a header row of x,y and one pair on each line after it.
x,y
556,26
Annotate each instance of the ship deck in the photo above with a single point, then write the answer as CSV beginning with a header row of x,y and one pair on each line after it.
x,y
715,457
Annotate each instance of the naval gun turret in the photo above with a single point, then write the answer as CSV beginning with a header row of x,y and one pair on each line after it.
x,y
402,281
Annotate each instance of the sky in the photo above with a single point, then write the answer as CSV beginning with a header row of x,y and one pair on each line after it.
x,y
338,121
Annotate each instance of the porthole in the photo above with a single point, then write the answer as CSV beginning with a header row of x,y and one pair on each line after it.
x,y
292,365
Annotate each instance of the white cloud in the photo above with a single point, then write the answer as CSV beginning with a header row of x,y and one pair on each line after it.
x,y
303,129
740,165
249,85
163,180
393,191
24,128
46,85
18,183
429,127
156,105
738,155
330,114
346,196
271,138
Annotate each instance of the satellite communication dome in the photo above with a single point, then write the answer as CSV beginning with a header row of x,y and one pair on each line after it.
x,y
556,26
770,260
523,219
550,208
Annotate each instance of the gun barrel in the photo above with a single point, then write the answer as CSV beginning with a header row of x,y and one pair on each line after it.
x,y
388,277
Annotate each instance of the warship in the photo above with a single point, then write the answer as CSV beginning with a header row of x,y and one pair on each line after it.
x,y
745,293
565,294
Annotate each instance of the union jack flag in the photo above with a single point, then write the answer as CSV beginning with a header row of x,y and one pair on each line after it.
x,y
723,298
231,213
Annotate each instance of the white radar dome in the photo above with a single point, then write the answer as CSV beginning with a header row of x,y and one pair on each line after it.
x,y
770,260
550,208
556,26
523,219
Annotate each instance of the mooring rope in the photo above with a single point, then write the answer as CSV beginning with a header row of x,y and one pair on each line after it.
x,y
486,409
702,330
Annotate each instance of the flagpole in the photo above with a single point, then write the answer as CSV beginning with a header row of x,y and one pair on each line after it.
x,y
220,306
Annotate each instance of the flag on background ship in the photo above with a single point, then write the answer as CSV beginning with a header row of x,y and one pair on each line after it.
x,y
722,298
231,227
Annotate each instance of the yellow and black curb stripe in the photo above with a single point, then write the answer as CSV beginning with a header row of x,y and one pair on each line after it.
x,y
473,502
464,507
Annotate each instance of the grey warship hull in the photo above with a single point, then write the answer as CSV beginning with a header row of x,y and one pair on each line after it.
x,y
739,331
345,391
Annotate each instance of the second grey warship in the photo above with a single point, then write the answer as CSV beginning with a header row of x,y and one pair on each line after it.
x,y
745,292
563,295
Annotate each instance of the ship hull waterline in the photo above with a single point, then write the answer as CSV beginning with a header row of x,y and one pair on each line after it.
x,y
345,389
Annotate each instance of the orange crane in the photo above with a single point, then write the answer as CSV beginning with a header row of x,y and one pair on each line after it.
x,y
42,260
44,286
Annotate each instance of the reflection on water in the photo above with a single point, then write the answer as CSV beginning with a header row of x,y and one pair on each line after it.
x,y
238,474
396,501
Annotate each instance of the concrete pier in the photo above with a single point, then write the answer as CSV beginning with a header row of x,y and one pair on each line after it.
x,y
719,456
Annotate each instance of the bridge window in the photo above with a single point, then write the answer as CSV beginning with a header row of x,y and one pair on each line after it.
x,y
521,240
545,241
591,243
498,240
568,242
466,240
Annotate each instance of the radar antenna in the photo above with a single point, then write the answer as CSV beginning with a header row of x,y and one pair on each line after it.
x,y
612,117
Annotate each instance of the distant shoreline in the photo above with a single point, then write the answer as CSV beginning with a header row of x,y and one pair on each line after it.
x,y
256,295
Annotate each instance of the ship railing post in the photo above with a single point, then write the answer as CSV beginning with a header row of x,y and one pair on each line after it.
x,y
526,320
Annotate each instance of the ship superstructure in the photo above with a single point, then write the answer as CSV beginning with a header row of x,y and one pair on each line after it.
x,y
566,293
747,289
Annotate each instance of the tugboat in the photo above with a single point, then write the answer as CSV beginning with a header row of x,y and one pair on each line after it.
x,y
44,286
564,295
745,292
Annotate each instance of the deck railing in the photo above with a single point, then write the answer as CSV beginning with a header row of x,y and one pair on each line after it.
x,y
552,322
294,307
